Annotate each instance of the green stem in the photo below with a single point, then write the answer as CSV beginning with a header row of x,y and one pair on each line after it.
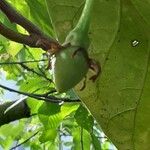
x,y
79,35
84,21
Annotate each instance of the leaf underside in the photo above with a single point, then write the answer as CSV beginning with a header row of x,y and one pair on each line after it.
x,y
120,41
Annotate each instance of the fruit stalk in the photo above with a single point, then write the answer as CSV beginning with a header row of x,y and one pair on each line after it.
x,y
79,35
84,21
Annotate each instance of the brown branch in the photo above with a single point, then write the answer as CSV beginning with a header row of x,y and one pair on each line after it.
x,y
33,40
15,17
36,38
18,37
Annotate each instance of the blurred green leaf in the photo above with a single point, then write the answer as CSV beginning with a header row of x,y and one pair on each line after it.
x,y
10,133
49,114
48,109
31,84
9,130
34,105
96,142
41,18
84,119
76,138
106,145
67,109
48,135
21,55
81,139
52,114
14,48
6,144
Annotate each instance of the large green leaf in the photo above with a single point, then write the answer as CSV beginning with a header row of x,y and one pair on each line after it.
x,y
52,114
96,142
120,38
84,119
10,133
81,139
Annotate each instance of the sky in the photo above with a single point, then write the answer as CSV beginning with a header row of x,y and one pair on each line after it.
x,y
7,96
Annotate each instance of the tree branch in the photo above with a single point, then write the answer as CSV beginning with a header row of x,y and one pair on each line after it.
x,y
33,71
22,62
33,40
36,38
18,37
21,110
13,148
46,98
82,145
15,17
18,112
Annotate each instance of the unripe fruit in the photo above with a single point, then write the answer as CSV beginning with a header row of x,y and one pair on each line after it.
x,y
69,66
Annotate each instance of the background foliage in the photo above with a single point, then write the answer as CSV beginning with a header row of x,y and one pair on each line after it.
x,y
67,126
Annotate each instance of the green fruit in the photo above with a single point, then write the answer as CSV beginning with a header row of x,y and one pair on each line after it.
x,y
69,67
